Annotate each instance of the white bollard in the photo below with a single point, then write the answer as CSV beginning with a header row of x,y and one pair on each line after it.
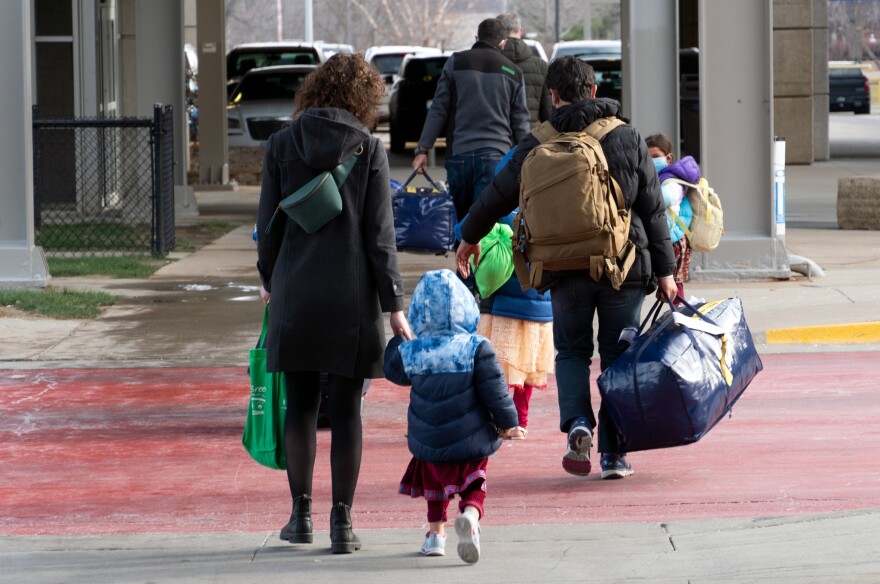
x,y
779,186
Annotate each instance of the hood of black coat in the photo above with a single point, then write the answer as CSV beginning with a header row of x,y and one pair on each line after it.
x,y
516,50
324,137
577,116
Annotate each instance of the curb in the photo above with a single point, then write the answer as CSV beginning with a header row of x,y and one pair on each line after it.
x,y
866,332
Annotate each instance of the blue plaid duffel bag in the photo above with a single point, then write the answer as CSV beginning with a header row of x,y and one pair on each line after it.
x,y
682,375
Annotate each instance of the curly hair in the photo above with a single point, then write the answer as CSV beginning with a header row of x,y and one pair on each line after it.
x,y
346,81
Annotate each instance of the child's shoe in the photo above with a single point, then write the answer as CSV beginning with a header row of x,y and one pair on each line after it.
x,y
467,527
435,544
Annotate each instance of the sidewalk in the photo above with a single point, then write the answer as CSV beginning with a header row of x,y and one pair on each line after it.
x,y
121,461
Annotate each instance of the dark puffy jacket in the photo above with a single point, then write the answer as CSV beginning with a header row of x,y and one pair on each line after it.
x,y
629,164
459,398
534,71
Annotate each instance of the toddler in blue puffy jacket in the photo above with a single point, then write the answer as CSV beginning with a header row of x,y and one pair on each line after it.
x,y
459,408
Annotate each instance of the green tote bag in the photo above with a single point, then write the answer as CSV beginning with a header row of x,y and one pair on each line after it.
x,y
263,436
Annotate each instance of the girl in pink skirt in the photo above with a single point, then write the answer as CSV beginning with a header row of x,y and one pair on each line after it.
x,y
459,408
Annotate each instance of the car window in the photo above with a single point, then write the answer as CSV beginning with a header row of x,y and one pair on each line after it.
x,y
388,64
421,68
843,72
268,86
242,62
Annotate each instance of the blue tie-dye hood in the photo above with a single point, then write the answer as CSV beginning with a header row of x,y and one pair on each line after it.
x,y
443,315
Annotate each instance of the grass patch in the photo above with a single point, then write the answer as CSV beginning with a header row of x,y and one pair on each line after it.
x,y
113,266
57,303
193,237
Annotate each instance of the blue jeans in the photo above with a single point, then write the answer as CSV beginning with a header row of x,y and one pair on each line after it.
x,y
468,174
576,298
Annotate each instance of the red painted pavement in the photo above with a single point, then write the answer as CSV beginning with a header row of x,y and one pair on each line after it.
x,y
119,451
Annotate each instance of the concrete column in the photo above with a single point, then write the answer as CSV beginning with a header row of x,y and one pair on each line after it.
x,y
736,133
213,151
22,264
819,25
793,44
650,66
160,79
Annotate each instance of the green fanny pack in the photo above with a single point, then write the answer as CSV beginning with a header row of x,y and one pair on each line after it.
x,y
318,201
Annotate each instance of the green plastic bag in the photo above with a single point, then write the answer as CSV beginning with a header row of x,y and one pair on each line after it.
x,y
263,436
496,260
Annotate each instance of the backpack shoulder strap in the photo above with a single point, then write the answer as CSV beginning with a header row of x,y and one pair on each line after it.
x,y
602,126
544,132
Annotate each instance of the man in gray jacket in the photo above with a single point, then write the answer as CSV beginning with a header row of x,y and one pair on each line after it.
x,y
533,67
480,102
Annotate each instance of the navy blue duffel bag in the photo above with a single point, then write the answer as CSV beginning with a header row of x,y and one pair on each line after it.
x,y
423,218
681,376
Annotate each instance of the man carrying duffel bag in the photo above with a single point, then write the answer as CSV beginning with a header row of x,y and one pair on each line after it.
x,y
580,290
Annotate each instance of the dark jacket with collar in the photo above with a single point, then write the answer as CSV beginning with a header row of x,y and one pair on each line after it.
x,y
480,102
459,398
329,288
534,71
629,164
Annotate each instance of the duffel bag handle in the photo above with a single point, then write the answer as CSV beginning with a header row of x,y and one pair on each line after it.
x,y
708,325
425,174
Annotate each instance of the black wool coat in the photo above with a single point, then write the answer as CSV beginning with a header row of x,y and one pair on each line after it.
x,y
329,288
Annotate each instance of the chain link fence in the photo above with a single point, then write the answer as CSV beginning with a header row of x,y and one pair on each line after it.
x,y
104,186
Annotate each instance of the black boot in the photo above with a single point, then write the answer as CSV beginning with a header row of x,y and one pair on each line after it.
x,y
299,528
342,538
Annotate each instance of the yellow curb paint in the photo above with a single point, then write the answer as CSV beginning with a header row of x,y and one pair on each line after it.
x,y
866,332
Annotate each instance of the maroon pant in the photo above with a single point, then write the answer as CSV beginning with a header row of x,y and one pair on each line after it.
x,y
473,496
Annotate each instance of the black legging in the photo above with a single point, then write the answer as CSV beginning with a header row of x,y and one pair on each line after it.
x,y
344,412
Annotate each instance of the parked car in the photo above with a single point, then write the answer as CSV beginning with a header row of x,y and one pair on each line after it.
x,y
413,89
537,49
330,49
262,103
609,76
587,49
848,89
387,60
242,58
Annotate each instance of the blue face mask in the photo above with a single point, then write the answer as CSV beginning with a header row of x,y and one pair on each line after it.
x,y
660,163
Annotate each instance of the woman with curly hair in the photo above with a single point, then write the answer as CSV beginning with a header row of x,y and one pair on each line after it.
x,y
329,287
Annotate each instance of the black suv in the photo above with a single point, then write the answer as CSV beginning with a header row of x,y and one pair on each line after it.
x,y
242,58
413,88
848,90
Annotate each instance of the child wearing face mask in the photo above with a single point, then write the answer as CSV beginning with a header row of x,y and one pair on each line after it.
x,y
686,169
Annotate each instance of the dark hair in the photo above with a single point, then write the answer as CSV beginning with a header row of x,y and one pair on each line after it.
x,y
659,141
510,21
572,78
346,81
491,31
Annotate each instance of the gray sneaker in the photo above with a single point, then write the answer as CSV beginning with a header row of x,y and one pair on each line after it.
x,y
615,466
576,459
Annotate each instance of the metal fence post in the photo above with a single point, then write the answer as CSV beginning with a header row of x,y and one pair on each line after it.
x,y
35,138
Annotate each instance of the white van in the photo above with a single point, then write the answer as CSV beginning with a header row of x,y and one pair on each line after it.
x,y
587,49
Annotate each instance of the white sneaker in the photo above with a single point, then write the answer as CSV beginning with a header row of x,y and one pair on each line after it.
x,y
435,544
467,527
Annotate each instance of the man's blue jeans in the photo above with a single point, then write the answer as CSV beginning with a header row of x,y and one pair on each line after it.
x,y
576,298
468,174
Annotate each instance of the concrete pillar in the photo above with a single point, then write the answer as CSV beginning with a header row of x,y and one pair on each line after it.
x,y
213,151
160,79
800,61
650,66
736,134
22,264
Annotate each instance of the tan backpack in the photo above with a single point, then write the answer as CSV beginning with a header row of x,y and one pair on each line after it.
x,y
572,214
